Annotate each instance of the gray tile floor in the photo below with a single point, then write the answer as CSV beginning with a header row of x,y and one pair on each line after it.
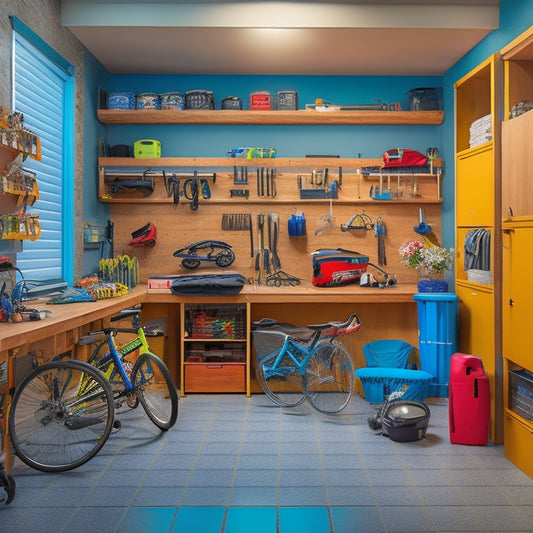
x,y
234,464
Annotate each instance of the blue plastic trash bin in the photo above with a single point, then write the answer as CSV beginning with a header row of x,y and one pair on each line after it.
x,y
437,337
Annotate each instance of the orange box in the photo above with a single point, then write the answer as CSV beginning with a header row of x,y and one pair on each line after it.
x,y
214,377
260,100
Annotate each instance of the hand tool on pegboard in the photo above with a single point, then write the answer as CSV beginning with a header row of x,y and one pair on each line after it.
x,y
380,230
172,185
424,229
240,175
273,222
236,221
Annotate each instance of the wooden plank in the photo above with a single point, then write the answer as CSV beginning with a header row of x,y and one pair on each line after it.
x,y
65,318
178,226
517,144
247,117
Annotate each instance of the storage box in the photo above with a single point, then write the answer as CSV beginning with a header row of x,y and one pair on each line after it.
x,y
260,100
221,322
149,148
521,393
214,377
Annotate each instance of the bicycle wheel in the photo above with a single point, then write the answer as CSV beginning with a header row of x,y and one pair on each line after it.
x,y
283,384
328,380
156,390
61,415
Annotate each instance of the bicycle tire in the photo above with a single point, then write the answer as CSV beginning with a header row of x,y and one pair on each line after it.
x,y
54,426
156,390
283,385
328,379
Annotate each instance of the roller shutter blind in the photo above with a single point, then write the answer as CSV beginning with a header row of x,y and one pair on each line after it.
x,y
42,93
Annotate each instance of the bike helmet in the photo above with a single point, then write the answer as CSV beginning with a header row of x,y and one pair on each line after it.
x,y
405,421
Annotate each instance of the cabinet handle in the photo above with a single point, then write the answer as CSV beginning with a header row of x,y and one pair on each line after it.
x,y
511,302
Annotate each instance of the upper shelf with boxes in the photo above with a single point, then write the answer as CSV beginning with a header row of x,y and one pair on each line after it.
x,y
198,107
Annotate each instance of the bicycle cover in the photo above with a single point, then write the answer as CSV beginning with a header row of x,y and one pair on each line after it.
x,y
207,284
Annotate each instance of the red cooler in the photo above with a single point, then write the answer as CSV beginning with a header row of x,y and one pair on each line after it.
x,y
468,401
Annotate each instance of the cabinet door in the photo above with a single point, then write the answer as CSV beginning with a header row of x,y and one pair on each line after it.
x,y
475,187
518,295
476,319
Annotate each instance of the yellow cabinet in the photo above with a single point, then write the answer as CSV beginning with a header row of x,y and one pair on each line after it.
x,y
517,301
475,186
519,442
476,334
478,206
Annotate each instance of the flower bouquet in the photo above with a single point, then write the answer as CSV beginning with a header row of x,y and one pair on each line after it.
x,y
430,263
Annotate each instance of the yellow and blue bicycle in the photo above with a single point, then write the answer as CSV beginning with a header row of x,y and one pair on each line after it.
x,y
63,412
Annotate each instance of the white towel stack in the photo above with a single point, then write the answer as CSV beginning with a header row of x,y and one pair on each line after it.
x,y
481,131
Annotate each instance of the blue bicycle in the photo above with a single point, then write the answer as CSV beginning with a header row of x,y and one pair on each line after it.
x,y
294,364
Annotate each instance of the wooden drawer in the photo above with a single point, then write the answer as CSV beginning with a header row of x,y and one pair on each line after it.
x,y
519,442
214,377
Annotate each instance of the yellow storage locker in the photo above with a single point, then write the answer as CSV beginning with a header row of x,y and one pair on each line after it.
x,y
475,186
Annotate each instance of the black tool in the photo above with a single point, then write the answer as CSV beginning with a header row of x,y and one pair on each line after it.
x,y
236,221
241,193
276,263
240,175
260,228
172,185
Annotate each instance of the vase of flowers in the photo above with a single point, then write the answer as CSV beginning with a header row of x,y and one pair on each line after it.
x,y
430,263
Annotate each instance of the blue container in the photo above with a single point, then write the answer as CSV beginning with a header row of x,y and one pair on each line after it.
x,y
296,225
437,337
173,101
121,101
148,101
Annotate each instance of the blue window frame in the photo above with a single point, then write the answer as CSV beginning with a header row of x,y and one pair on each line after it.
x,y
43,89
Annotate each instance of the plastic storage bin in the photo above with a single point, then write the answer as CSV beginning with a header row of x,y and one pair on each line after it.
x,y
468,401
521,393
437,337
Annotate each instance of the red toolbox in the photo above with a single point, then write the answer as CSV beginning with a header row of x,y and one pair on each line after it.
x,y
468,401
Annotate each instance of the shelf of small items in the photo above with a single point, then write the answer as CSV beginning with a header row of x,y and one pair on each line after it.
x,y
18,186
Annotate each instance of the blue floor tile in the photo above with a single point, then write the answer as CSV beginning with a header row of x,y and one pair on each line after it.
x,y
256,519
143,519
356,519
304,520
196,519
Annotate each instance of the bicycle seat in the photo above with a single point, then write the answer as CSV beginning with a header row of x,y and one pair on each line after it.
x,y
302,334
351,324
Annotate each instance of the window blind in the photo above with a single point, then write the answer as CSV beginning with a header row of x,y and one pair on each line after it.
x,y
41,93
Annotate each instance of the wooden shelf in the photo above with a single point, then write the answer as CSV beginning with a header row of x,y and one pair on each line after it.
x,y
244,117
230,162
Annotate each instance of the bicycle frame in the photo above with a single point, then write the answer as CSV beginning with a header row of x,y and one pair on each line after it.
x,y
115,355
300,364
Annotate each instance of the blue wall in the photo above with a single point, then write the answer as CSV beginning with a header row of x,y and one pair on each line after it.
x,y
93,211
290,141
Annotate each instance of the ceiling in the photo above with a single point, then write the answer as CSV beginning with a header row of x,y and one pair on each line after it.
x,y
350,37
